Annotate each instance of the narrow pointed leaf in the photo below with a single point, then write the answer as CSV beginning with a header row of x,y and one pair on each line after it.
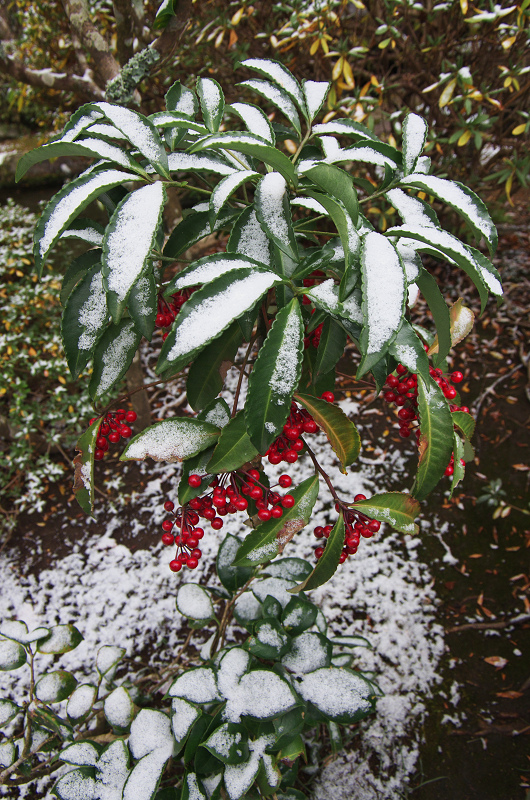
x,y
330,349
256,120
113,356
192,229
84,320
436,439
234,447
439,310
345,227
207,269
212,103
208,371
459,468
344,127
209,311
207,162
248,238
384,296
275,377
85,229
412,210
67,204
271,537
315,93
224,189
462,199
408,349
414,136
89,147
396,508
337,183
142,305
129,239
462,320
252,146
328,562
77,270
281,76
171,440
341,432
84,468
465,422
181,100
277,97
179,122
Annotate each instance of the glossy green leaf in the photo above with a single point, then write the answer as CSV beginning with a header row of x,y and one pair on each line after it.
x,y
84,320
207,269
274,213
340,694
329,561
250,145
458,466
277,97
181,100
269,640
60,639
407,348
68,203
341,431
192,229
414,135
192,788
440,312
84,467
113,356
196,465
93,148
77,270
209,312
436,439
232,578
212,102
275,377
142,305
298,615
12,655
330,348
55,686
86,230
271,537
172,440
337,183
342,221
164,14
234,447
465,422
229,743
208,371
129,238
225,189
398,509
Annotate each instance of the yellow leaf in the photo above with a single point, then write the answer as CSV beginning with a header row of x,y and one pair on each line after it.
x,y
507,43
25,260
463,6
3,390
32,352
348,74
61,379
290,146
314,47
237,16
219,39
7,325
365,88
392,141
422,195
337,69
9,350
507,82
508,188
519,129
329,116
445,97
510,694
232,40
464,139
70,409
325,47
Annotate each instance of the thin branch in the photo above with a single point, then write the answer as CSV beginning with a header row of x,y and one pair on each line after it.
x,y
105,65
83,86
484,626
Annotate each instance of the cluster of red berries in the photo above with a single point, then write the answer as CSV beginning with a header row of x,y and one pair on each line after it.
x,y
230,492
313,337
113,428
167,310
287,446
356,524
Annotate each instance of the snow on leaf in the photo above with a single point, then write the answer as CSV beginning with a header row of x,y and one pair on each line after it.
x,y
238,778
338,693
113,356
412,210
81,754
344,127
249,239
183,715
256,120
119,708
277,97
212,102
270,208
171,440
225,189
81,700
139,131
280,75
193,601
315,93
186,161
208,269
150,731
414,135
259,693
196,685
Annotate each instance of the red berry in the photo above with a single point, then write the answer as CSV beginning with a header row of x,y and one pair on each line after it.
x,y
275,457
167,525
329,397
374,525
264,514
198,533
319,552
450,392
343,557
288,501
125,432
449,470
390,397
192,562
254,474
256,493
276,512
290,433
392,381
290,456
319,532
131,416
285,481
358,498
168,539
465,409
102,444
175,566
310,426
217,523
401,370
241,504
114,437
196,553
457,377
194,481
120,414
98,455
192,542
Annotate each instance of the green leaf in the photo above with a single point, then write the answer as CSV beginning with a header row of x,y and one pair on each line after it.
x,y
8,711
84,468
181,100
163,15
408,349
459,468
129,239
275,377
67,204
93,148
248,238
329,561
113,356
232,578
207,269
278,98
463,200
196,465
274,213
142,305
211,310
77,270
344,127
171,440
86,230
465,422
384,298
212,102
288,726
340,694
440,312
107,660
281,76
298,615
84,320
208,371
55,686
341,432
271,537
192,229
79,784
242,142
345,227
229,743
414,135
61,639
234,447
436,439
336,182
330,348
81,701
194,602
315,93
12,655
256,120
225,189
269,640
396,508
183,716
192,788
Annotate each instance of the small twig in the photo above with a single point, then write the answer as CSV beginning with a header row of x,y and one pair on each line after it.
x,y
478,403
483,626
241,374
323,473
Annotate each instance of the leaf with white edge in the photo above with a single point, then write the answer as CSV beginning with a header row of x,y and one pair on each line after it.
x,y
113,356
81,701
315,93
129,239
18,631
60,639
84,319
277,97
196,685
408,349
275,377
309,651
93,148
414,135
340,694
208,371
81,754
234,447
462,199
12,655
207,269
412,210
489,274
281,76
181,100
8,753
436,439
180,122
211,310
248,238
341,431
183,716
86,230
83,487
384,297
193,788
330,348
171,440
225,189
193,228
108,658
194,602
179,162
119,708
55,686
459,466
269,640
328,562
67,204
79,784
349,641
298,615
212,103
228,743
77,270
142,305
255,119
439,310
272,536
342,221
145,778
277,588
81,119
344,127
398,509
250,145
164,14
8,711
336,182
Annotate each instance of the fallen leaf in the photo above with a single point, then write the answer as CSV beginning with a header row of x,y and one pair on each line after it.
x,y
496,661
510,694
476,555
521,467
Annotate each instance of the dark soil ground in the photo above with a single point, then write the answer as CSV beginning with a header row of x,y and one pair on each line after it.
x,y
483,532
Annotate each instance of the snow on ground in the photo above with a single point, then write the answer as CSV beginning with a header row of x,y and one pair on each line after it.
x,y
384,592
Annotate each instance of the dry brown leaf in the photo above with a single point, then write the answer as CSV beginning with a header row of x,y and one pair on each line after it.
x,y
496,661
509,694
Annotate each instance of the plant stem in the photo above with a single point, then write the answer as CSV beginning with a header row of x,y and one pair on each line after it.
x,y
324,474
241,374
